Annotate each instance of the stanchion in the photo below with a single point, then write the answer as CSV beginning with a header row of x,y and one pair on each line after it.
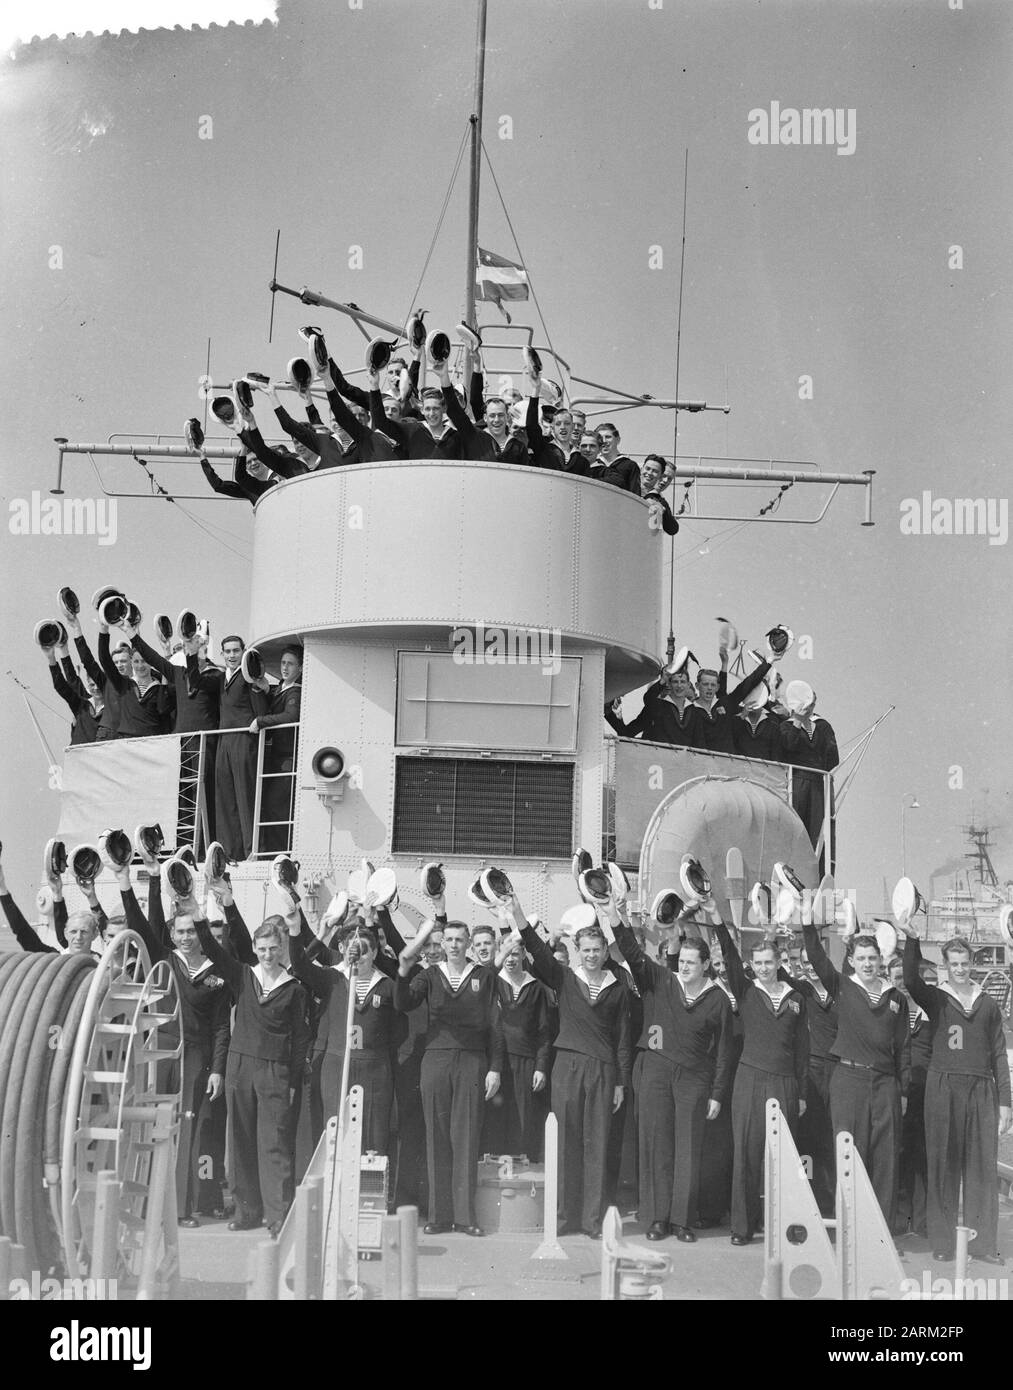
x,y
263,1284
105,1240
409,1219
392,1253
308,1238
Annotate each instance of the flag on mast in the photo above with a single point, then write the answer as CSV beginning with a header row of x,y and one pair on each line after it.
x,y
497,279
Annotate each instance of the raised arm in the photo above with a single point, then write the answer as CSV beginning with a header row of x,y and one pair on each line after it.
x,y
88,661
136,920
230,969
828,976
161,664
118,682
925,996
319,979
737,982
222,486
644,970
543,963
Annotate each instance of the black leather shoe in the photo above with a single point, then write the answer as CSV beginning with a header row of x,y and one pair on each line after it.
x,y
593,1233
942,1256
706,1223
684,1234
467,1230
741,1240
246,1223
658,1230
434,1228
274,1229
190,1222
989,1260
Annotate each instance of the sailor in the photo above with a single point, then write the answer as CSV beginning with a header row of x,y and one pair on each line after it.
x,y
592,1068
251,477
755,727
462,1066
806,741
369,1041
277,802
267,465
717,1161
483,945
556,449
81,694
370,444
870,1079
109,718
491,441
526,1006
612,466
236,762
686,1052
967,1100
669,714
205,1004
74,934
911,1189
815,1129
145,702
264,1071
774,1064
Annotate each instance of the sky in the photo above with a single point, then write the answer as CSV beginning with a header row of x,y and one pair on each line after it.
x,y
129,241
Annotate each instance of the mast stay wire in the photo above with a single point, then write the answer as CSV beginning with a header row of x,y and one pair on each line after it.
x,y
158,490
517,248
439,220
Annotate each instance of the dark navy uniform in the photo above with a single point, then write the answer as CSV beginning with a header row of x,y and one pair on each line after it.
x,y
374,1036
463,1043
205,1004
808,749
774,1064
872,1071
265,1065
912,1189
87,714
142,712
815,1128
593,1057
518,1125
109,720
236,765
686,1062
967,1080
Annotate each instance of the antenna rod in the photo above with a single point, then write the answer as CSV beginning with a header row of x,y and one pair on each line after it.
x,y
476,165
274,281
675,430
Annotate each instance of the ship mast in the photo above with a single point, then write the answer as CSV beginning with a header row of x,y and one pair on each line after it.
x,y
476,167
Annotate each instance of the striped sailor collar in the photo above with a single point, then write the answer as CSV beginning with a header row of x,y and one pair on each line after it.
x,y
607,979
267,989
976,993
517,985
469,966
776,1000
205,964
693,998
884,990
374,980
